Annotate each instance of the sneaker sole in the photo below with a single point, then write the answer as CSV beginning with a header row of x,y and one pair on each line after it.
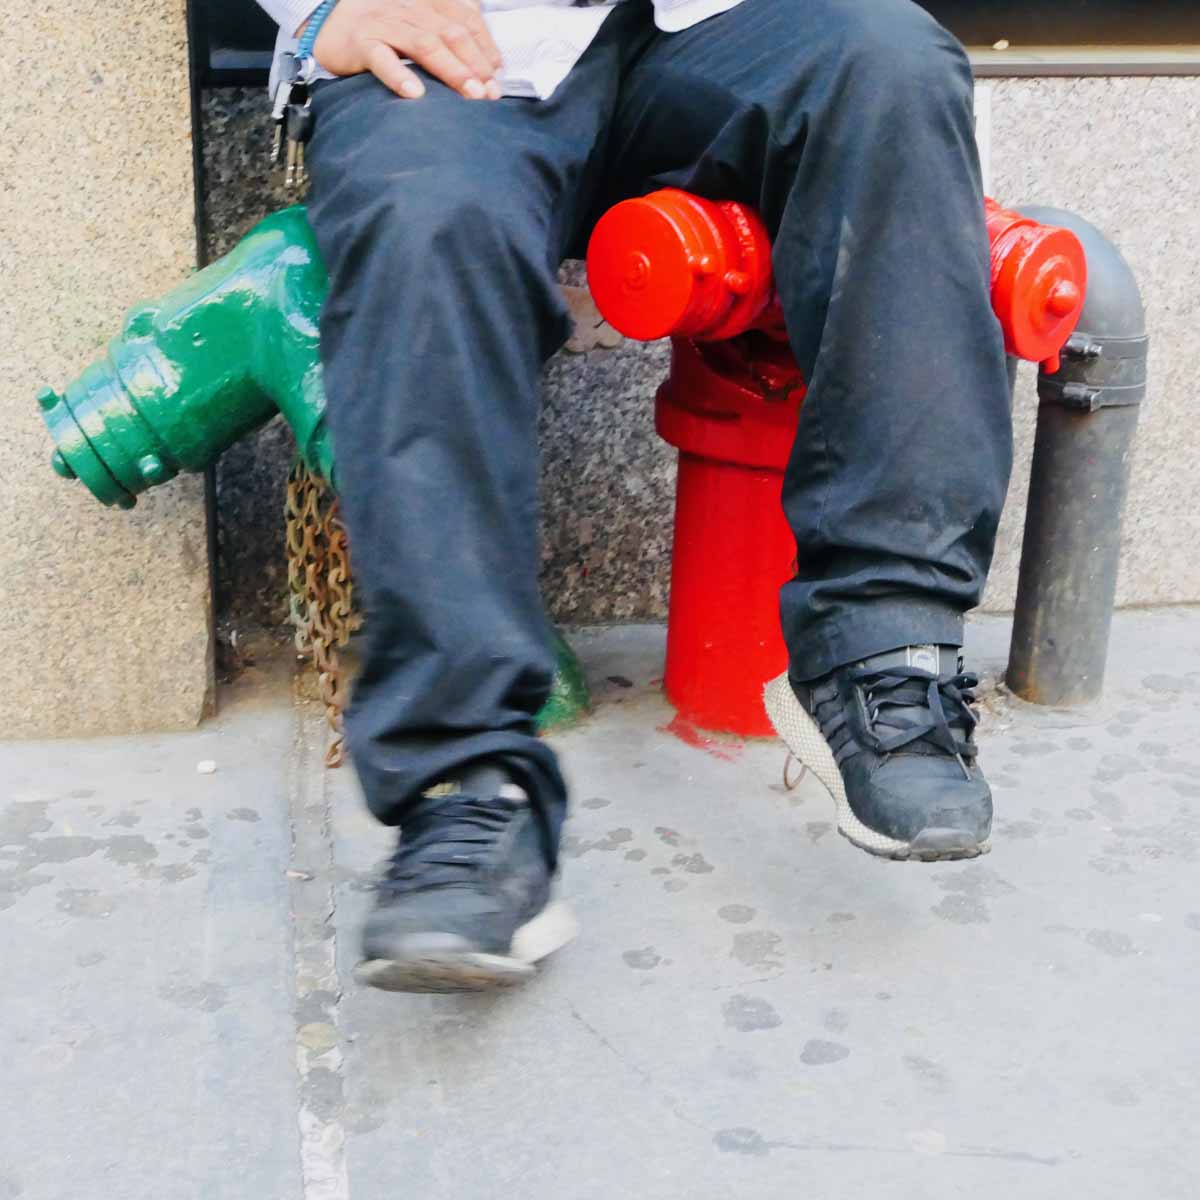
x,y
438,963
804,739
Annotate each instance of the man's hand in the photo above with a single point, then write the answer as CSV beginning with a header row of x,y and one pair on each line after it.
x,y
446,37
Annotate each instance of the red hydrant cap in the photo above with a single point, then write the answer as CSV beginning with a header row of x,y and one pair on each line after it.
x,y
673,263
645,262
1039,284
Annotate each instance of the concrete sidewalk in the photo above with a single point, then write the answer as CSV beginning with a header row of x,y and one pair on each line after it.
x,y
754,1008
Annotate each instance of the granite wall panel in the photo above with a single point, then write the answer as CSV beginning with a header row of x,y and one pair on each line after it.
x,y
104,615
1120,151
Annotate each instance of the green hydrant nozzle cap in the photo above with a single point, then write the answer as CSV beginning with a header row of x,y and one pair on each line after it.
x,y
182,380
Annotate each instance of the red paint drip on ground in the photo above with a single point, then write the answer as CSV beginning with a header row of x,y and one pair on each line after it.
x,y
691,736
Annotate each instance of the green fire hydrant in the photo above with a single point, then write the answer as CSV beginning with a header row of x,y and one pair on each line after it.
x,y
211,361
195,371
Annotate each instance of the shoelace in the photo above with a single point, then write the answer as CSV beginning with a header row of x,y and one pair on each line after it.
x,y
445,841
905,705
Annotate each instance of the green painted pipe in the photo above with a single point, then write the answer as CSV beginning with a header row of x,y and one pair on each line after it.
x,y
208,363
194,372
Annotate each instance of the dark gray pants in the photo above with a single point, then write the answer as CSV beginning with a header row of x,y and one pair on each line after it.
x,y
848,124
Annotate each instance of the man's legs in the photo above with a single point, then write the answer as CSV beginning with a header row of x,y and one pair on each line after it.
x,y
442,223
848,124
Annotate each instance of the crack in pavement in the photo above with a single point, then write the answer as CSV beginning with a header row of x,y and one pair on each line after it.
x,y
641,1072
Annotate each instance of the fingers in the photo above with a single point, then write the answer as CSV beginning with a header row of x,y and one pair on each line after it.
x,y
457,49
385,65
459,40
463,12
431,51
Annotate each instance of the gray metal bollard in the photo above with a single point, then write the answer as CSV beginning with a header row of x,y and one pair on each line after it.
x,y
1087,418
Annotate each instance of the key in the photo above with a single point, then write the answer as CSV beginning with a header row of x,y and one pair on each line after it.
x,y
298,120
289,77
276,145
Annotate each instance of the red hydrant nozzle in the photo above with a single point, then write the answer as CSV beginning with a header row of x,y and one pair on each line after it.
x,y
673,264
1039,283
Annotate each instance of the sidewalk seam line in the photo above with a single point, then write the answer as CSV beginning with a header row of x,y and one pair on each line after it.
x,y
318,993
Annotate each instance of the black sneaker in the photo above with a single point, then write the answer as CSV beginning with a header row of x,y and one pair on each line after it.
x,y
465,902
892,737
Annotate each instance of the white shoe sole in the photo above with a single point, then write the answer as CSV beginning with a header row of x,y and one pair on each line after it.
x,y
804,739
438,963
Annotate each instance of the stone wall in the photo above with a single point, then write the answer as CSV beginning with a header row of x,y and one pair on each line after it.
x,y
104,615
1120,151
608,482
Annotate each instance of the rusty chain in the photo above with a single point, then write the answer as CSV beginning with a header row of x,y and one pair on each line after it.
x,y
320,586
320,591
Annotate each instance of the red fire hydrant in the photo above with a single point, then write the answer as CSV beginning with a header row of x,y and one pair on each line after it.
x,y
674,265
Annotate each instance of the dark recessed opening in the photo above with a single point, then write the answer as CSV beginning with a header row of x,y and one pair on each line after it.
x,y
1070,22
236,36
